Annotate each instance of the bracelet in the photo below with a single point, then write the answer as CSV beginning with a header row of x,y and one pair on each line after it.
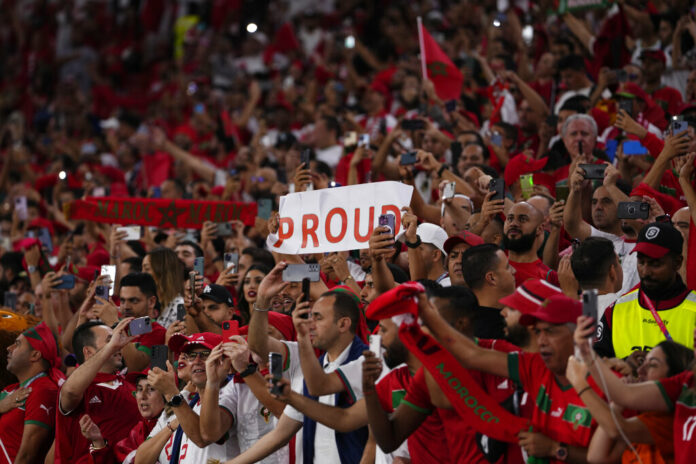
x,y
349,278
94,448
415,244
169,426
443,167
256,308
584,390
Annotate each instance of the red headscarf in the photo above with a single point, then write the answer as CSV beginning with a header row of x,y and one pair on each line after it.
x,y
42,339
284,324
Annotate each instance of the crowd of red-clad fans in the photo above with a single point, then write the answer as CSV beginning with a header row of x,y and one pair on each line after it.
x,y
538,303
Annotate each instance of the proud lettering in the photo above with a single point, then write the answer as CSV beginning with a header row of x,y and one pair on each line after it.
x,y
470,401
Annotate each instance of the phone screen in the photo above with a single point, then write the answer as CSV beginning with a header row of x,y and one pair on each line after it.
x,y
275,366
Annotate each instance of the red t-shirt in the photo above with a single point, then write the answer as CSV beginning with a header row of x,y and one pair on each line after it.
x,y
109,401
559,413
681,399
534,270
427,444
38,409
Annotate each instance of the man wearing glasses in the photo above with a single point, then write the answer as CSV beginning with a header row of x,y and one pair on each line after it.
x,y
186,441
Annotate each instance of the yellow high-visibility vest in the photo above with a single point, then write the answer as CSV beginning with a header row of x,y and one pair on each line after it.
x,y
634,328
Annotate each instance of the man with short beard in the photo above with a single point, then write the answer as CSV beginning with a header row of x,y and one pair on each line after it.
x,y
523,234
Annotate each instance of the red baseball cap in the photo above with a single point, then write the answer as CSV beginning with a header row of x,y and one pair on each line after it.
x,y
180,342
467,237
658,55
528,296
559,309
522,164
657,239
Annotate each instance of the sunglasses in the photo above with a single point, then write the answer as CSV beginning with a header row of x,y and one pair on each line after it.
x,y
258,179
191,356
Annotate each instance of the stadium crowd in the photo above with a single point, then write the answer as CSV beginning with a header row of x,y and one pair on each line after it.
x,y
532,299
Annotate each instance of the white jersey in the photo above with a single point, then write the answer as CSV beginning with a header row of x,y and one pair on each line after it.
x,y
190,453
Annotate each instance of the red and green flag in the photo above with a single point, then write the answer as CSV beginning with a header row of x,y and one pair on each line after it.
x,y
438,67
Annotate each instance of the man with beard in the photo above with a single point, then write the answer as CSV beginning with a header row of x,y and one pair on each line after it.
x,y
662,307
262,183
523,234
95,389
426,444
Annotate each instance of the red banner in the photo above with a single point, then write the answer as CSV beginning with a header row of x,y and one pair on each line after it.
x,y
446,77
184,214
470,401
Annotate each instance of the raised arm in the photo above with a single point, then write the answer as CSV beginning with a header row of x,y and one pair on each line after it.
x,y
259,340
148,452
575,225
415,262
269,443
468,353
686,175
214,420
381,246
674,146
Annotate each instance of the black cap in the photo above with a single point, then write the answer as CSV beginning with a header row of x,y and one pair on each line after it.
x,y
657,239
218,294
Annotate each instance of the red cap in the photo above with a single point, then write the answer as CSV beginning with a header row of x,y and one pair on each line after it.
x,y
559,309
631,89
87,272
522,164
658,55
467,237
380,87
25,243
398,300
132,377
470,116
98,257
179,342
528,296
40,223
284,324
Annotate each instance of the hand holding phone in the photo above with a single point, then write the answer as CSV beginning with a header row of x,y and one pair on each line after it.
x,y
275,366
388,220
139,326
230,329
497,186
298,272
589,304
159,357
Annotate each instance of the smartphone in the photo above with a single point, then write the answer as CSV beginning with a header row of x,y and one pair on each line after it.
x,y
409,158
497,139
297,272
627,106
67,282
10,300
527,185
132,232
99,192
180,312
305,156
44,237
562,192
102,291
350,139
265,206
376,344
224,229
456,149
156,192
110,270
159,356
20,205
229,330
412,124
388,220
633,147
450,105
594,171
364,140
678,126
199,265
139,326
231,259
589,304
275,367
449,190
192,284
305,294
633,210
497,186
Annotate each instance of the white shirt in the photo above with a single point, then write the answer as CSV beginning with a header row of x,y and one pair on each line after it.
x,y
629,261
168,316
330,155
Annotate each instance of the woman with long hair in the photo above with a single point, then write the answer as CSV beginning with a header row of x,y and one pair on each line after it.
x,y
250,287
169,273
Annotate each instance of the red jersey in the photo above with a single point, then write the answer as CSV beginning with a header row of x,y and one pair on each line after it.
x,y
680,397
38,409
534,270
559,413
145,342
109,401
427,444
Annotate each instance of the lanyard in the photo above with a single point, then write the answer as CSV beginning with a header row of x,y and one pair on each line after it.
x,y
657,317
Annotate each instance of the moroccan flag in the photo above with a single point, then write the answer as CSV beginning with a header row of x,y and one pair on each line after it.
x,y
610,47
439,68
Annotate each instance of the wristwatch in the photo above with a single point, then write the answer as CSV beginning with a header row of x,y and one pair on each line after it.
x,y
251,368
31,269
177,400
561,452
415,244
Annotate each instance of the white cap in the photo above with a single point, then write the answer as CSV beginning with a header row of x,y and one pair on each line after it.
x,y
435,235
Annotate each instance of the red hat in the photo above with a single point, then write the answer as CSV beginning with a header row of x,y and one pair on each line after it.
x,y
42,339
657,239
284,324
25,243
690,105
522,164
380,87
132,377
633,90
470,116
179,342
98,257
528,296
87,272
559,309
658,55
112,173
467,237
398,300
40,223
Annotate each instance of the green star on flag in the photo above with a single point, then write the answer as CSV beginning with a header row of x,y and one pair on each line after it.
x,y
170,214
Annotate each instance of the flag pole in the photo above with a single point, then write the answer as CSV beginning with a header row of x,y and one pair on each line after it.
x,y
421,43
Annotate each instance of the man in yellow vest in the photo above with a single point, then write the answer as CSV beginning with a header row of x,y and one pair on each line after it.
x,y
658,309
